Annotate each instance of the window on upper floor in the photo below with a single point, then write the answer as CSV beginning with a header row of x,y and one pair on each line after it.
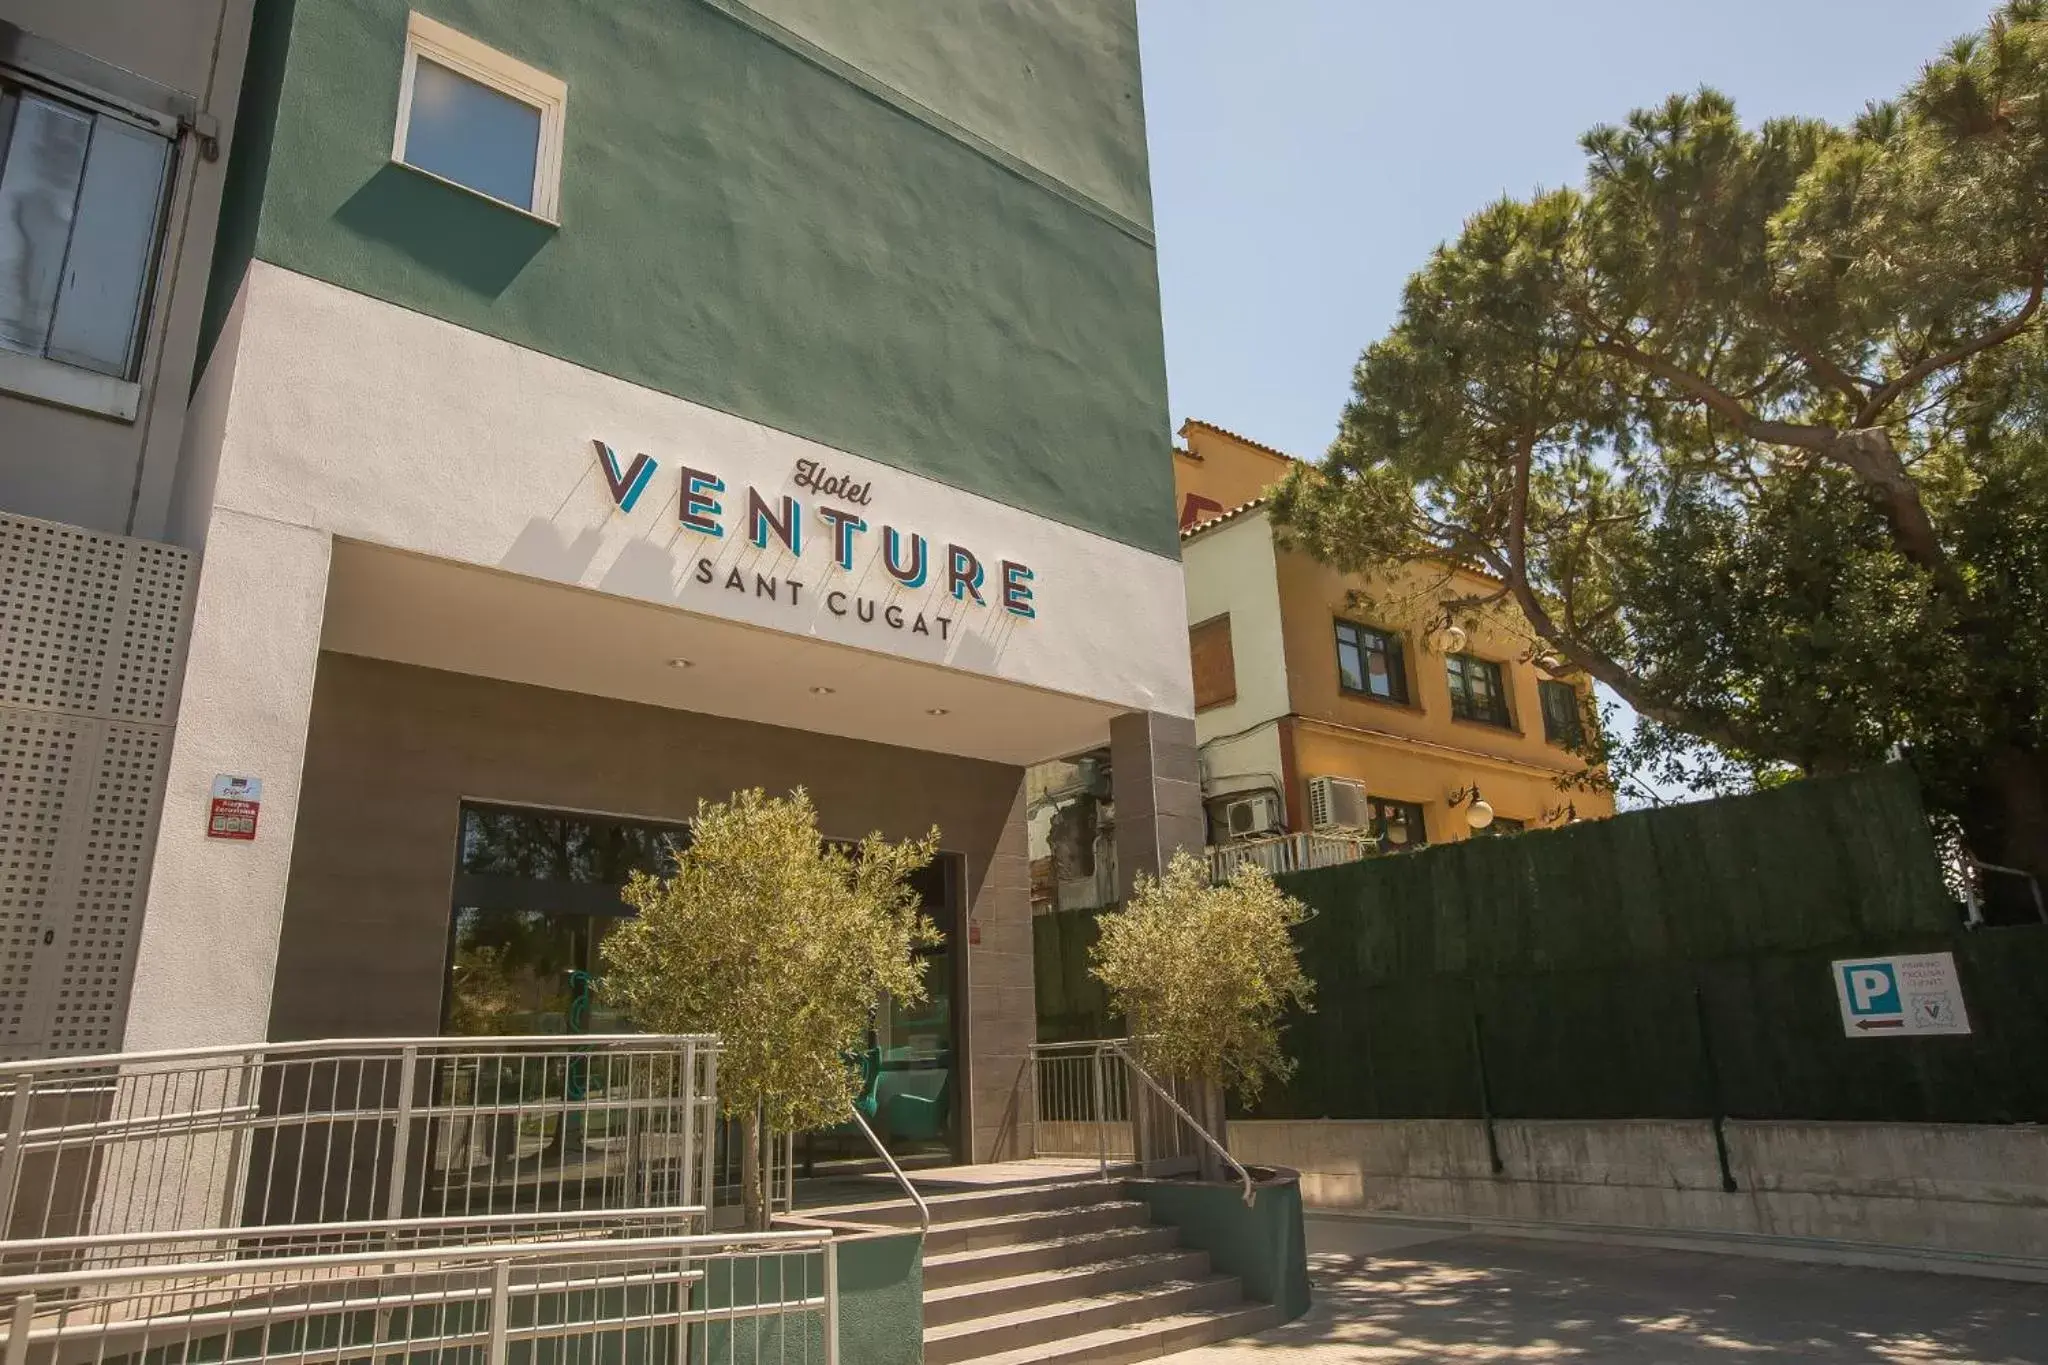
x,y
1396,824
1563,722
474,117
1215,664
1477,692
83,189
1370,662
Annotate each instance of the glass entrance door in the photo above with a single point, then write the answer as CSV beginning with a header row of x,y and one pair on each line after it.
x,y
914,1077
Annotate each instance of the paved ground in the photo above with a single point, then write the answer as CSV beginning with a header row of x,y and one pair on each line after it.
x,y
1392,1294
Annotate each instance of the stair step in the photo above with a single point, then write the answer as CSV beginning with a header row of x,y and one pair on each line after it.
x,y
966,1205
1147,1340
1065,1318
1039,1225
999,1262
1036,1288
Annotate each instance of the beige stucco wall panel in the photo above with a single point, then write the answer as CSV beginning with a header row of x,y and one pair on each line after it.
x,y
1230,571
206,960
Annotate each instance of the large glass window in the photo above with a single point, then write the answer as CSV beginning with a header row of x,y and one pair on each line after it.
x,y
82,191
1369,662
1476,689
535,894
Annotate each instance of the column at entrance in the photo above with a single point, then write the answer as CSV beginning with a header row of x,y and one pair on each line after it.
x,y
207,960
1158,791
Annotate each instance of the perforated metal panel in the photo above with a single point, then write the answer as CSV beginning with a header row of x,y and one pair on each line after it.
x,y
92,638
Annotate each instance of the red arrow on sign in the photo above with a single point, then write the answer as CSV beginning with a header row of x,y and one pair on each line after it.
x,y
1880,1023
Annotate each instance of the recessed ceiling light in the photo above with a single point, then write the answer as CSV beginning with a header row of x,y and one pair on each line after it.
x,y
682,663
937,711
823,691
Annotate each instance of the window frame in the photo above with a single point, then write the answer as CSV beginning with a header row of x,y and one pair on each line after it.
x,y
71,78
1548,687
1500,690
1393,645
1217,625
465,56
1418,826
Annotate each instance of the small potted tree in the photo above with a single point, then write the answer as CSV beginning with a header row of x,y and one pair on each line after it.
x,y
781,945
1203,975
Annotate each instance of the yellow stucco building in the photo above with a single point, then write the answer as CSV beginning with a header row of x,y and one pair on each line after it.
x,y
1294,684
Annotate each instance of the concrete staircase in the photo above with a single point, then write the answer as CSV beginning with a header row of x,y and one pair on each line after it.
x,y
1072,1271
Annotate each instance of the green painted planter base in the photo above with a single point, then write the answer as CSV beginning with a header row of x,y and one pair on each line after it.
x,y
1262,1244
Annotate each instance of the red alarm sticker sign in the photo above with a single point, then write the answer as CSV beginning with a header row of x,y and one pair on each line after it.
x,y
236,801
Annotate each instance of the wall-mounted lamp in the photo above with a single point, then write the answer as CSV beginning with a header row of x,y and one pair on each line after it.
x,y
1478,814
1567,814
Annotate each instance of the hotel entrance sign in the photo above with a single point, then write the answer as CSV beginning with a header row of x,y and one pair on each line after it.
x,y
236,802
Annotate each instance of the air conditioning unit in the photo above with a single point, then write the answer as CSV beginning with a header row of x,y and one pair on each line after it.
x,y
1251,816
1338,803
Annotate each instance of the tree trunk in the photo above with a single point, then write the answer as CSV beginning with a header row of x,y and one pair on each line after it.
x,y
2013,832
753,1178
1209,1113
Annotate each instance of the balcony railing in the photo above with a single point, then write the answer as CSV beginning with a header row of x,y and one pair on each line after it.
x,y
1289,853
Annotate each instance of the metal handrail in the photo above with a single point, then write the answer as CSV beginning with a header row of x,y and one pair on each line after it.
x,y
1185,1117
479,1223
391,1256
924,1211
99,1061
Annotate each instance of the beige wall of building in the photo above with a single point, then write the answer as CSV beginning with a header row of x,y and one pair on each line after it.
x,y
393,751
112,471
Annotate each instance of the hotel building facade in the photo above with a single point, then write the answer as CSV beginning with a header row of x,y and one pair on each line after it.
x,y
600,409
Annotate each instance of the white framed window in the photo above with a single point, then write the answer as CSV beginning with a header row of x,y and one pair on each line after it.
x,y
480,120
85,183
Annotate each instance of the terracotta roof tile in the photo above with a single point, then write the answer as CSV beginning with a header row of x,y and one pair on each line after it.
x,y
1241,440
1222,517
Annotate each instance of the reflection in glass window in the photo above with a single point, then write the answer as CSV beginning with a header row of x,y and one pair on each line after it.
x,y
465,131
1369,661
81,204
1476,689
1563,722
535,894
1396,824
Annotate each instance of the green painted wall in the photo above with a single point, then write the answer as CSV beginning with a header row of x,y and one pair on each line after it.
x,y
1262,1243
746,227
881,1299
1054,82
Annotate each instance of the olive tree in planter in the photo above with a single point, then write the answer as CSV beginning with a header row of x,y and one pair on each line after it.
x,y
1203,974
781,945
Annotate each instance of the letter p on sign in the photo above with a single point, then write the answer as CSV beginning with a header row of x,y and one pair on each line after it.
x,y
1872,990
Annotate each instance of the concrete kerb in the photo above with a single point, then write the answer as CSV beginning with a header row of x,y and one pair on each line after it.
x,y
1812,1250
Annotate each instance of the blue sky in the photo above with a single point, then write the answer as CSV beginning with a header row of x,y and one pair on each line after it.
x,y
1308,154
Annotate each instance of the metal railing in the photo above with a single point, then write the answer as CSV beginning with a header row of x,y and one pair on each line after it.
x,y
924,1210
1096,1100
1289,853
345,1131
586,1294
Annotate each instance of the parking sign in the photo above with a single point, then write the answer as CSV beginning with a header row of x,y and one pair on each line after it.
x,y
1900,997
